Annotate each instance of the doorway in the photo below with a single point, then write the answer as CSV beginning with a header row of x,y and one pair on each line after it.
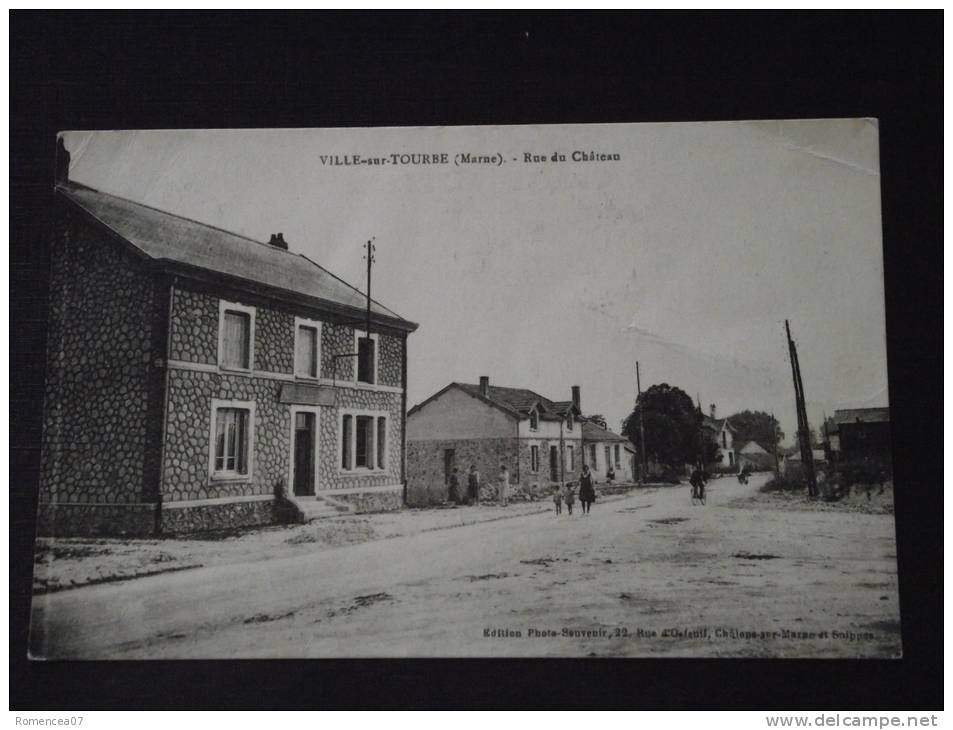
x,y
304,443
449,460
554,463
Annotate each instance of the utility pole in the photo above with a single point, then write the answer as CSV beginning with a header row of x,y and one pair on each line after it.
x,y
803,431
643,461
369,255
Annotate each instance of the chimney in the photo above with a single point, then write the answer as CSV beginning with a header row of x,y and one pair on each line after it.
x,y
575,398
485,385
62,161
712,406
278,241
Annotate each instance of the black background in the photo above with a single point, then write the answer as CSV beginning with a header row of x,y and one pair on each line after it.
x,y
172,70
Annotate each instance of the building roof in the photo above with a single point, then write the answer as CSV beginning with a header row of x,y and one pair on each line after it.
x,y
751,447
715,424
594,432
188,245
864,415
515,401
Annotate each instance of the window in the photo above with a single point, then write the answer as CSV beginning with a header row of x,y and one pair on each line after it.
x,y
367,359
364,445
534,458
230,454
381,441
307,348
346,429
592,457
569,422
618,461
724,439
608,458
236,326
571,457
533,420
363,441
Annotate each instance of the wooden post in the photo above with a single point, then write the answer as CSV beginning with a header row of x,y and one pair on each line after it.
x,y
642,458
803,431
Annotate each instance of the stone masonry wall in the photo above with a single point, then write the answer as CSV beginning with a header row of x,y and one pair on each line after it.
x,y
539,483
425,466
274,340
331,476
194,327
205,518
388,369
102,414
188,435
337,339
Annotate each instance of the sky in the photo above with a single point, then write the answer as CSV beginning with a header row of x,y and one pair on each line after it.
x,y
686,254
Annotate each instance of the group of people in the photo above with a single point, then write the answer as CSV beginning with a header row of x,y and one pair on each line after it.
x,y
472,494
567,493
563,494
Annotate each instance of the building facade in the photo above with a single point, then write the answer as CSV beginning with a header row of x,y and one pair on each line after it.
x,y
197,379
722,434
539,440
605,451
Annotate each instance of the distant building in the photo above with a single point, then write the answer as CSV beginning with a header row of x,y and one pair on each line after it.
x,y
721,432
602,448
861,433
754,456
194,375
538,439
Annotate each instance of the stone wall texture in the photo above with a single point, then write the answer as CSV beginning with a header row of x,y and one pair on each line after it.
x,y
388,369
274,340
425,466
382,501
102,414
132,520
337,339
212,517
189,433
194,336
331,474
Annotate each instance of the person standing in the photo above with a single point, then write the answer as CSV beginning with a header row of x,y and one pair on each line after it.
x,y
569,498
473,485
558,500
587,493
504,484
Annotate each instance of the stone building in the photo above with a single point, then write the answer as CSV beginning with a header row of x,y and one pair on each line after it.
x,y
538,439
604,449
860,433
199,379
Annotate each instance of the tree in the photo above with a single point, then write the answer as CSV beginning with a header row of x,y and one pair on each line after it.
x,y
597,419
757,426
673,434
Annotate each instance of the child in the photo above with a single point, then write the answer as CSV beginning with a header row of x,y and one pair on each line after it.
x,y
570,498
558,500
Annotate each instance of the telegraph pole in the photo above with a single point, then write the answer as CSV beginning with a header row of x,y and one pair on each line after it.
x,y
643,461
369,249
803,431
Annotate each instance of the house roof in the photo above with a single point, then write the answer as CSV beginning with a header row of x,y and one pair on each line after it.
x,y
715,424
751,447
864,415
188,245
594,432
517,402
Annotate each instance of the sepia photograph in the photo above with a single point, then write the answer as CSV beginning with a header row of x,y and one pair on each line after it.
x,y
594,390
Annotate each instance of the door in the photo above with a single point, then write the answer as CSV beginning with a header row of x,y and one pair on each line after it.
x,y
304,454
449,458
554,463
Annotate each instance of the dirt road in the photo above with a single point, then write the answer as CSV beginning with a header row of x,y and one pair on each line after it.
x,y
648,575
